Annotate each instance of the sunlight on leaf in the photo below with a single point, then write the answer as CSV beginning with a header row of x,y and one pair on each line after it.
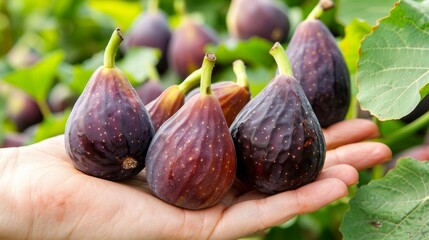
x,y
394,63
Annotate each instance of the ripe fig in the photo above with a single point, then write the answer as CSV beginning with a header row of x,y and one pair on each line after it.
x,y
151,29
278,140
61,97
22,109
266,19
191,161
109,130
14,140
186,50
171,100
319,66
233,96
149,90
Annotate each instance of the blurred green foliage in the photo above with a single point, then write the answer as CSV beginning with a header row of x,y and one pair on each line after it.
x,y
46,42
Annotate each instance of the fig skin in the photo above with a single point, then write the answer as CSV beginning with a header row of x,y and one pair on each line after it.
x,y
262,18
186,50
278,140
191,161
171,100
319,66
108,130
22,110
149,90
232,98
151,29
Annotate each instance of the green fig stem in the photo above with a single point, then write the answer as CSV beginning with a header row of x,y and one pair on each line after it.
x,y
206,74
180,7
320,8
406,131
153,5
279,54
190,81
112,48
240,72
44,108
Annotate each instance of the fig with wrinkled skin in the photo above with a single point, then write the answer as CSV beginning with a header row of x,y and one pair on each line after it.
x,y
278,140
266,19
109,130
191,161
319,66
233,96
186,50
171,100
151,29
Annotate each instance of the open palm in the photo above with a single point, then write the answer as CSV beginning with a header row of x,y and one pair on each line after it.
x,y
44,196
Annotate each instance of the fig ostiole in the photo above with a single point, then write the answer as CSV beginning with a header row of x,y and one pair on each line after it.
x,y
233,96
108,131
319,66
191,162
278,140
171,100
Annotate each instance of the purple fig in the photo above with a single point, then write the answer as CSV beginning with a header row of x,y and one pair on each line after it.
x,y
233,96
149,90
109,130
60,98
191,161
278,140
171,100
14,140
22,110
319,66
151,29
266,19
186,50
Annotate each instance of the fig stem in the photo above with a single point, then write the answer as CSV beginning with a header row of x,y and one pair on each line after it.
x,y
206,74
190,81
405,131
112,48
240,72
319,9
180,7
279,55
153,5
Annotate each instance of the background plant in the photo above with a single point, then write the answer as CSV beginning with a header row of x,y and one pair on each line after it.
x,y
48,42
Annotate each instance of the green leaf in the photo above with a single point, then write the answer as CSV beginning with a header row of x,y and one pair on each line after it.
x,y
75,76
123,12
51,126
137,63
38,79
350,44
368,10
394,65
2,117
394,207
253,51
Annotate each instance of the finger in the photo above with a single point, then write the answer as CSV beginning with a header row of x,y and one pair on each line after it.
x,y
359,155
255,215
344,172
349,131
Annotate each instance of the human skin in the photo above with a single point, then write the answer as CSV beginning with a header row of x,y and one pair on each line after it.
x,y
44,197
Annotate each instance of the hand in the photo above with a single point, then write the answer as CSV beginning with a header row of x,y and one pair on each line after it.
x,y
44,197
